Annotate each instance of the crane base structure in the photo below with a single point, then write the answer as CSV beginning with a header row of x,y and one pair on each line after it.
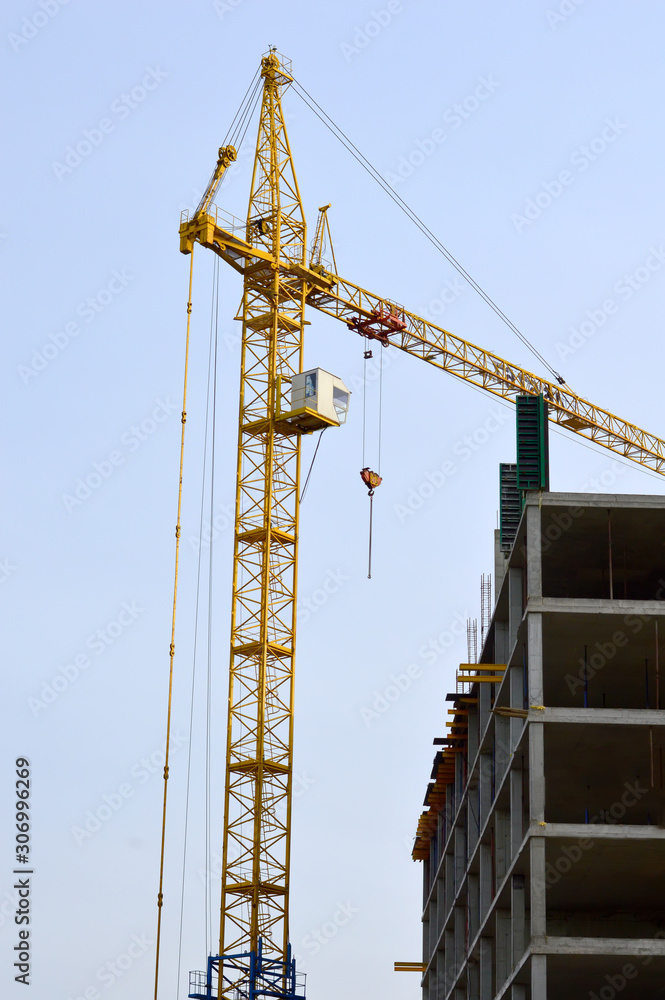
x,y
265,977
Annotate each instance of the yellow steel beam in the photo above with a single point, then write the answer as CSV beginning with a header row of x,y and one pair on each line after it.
x,y
350,303
482,678
338,297
484,666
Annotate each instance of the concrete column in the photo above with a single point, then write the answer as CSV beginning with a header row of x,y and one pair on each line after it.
x,y
535,659
502,947
448,808
516,681
500,564
516,830
501,639
460,856
534,575
485,786
473,819
484,705
440,907
538,887
515,605
502,749
539,977
486,988
473,982
485,886
473,906
445,978
450,883
472,740
460,938
449,974
501,842
517,918
537,771
459,778
433,926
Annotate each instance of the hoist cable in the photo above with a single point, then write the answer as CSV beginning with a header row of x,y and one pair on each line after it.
x,y
240,109
364,399
241,128
257,98
208,839
241,120
380,410
371,517
316,450
160,893
194,660
411,214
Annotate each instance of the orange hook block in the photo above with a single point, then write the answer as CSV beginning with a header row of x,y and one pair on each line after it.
x,y
370,479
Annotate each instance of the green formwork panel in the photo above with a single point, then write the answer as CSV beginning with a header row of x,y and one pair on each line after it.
x,y
532,444
510,505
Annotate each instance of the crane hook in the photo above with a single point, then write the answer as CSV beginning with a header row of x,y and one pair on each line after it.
x,y
371,481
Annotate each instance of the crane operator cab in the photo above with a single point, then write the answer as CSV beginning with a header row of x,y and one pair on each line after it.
x,y
318,400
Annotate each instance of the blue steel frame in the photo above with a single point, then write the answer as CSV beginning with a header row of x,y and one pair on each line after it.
x,y
264,977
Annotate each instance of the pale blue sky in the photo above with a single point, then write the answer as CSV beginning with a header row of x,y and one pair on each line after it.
x,y
540,94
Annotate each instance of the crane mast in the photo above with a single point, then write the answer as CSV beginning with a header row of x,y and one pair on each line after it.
x,y
257,808
269,250
254,925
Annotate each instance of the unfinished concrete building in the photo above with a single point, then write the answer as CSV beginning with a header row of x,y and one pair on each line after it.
x,y
543,839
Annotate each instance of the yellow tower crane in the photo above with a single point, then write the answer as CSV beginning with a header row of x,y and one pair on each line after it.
x,y
269,250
